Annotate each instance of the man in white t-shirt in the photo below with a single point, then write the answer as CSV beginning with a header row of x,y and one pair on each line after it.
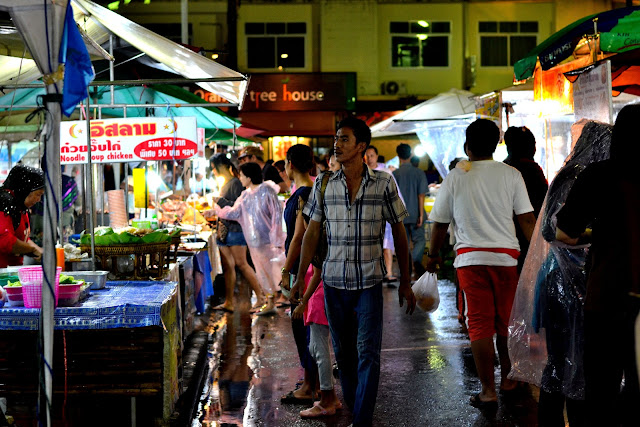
x,y
479,199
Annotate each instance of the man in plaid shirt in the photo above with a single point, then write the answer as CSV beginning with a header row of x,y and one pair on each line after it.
x,y
356,204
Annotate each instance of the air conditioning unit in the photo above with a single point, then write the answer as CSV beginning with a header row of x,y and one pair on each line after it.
x,y
393,87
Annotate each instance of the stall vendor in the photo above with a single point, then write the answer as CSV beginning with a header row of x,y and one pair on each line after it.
x,y
22,189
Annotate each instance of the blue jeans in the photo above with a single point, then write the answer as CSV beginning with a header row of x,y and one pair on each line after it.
x,y
355,322
416,236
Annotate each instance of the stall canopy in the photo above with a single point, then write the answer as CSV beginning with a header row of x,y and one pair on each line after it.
x,y
451,105
618,29
99,23
210,118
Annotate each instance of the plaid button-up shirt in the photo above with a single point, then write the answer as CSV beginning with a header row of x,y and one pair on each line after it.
x,y
355,232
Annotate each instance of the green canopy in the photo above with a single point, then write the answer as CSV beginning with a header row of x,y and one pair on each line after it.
x,y
619,31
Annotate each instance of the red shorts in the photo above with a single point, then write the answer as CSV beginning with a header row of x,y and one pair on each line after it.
x,y
489,291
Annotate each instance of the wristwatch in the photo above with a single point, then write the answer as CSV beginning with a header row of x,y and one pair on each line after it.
x,y
284,270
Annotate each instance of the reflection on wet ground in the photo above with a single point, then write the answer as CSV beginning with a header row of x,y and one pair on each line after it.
x,y
427,372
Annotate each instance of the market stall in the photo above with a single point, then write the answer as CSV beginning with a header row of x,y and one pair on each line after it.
x,y
120,348
122,343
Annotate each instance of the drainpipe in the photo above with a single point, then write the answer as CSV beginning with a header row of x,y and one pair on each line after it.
x,y
232,34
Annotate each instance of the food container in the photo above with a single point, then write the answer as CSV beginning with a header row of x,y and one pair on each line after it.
x,y
14,295
97,278
69,294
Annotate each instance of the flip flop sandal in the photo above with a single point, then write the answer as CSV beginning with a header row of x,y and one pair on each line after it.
x,y
291,398
314,413
223,308
476,402
264,311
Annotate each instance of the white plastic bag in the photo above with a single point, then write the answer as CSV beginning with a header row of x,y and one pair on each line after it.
x,y
426,292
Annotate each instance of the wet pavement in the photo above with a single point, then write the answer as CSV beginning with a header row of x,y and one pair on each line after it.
x,y
427,372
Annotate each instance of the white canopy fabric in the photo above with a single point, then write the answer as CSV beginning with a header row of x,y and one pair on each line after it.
x,y
454,104
99,22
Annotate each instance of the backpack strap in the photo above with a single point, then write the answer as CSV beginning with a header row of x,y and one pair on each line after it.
x,y
323,188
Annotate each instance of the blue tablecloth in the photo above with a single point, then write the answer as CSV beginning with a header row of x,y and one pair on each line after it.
x,y
118,305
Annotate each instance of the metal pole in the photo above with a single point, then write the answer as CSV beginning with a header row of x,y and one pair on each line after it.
x,y
126,190
140,82
193,175
185,105
89,192
184,21
111,70
49,238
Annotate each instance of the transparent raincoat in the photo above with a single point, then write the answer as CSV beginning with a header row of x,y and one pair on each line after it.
x,y
546,338
259,212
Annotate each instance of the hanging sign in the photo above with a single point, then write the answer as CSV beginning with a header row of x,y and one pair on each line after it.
x,y
592,94
129,140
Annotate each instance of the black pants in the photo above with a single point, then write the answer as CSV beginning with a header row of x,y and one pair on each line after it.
x,y
609,354
551,410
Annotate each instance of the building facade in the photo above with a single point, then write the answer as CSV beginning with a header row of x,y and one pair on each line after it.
x,y
395,52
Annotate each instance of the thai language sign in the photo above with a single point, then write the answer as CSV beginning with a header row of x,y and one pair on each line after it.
x,y
129,140
592,94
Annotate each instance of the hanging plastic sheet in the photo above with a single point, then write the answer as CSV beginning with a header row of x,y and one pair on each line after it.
x,y
259,212
545,329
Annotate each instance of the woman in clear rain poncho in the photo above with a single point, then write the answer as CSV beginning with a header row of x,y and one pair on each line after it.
x,y
259,212
546,332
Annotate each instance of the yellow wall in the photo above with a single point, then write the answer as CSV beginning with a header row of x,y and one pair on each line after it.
x,y
208,19
568,11
349,41
493,78
353,35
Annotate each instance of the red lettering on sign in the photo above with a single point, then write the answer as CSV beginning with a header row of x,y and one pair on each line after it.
x,y
156,149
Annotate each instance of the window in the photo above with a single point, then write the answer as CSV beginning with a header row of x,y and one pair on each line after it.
x,y
275,44
504,43
420,43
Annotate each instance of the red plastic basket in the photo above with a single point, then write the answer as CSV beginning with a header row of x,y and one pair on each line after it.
x,y
31,279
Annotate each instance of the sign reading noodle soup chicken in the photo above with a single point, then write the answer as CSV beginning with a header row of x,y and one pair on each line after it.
x,y
129,140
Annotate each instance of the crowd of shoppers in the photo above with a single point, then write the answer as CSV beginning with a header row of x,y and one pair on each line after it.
x,y
355,210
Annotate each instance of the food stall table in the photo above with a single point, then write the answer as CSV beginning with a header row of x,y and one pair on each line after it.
x,y
122,341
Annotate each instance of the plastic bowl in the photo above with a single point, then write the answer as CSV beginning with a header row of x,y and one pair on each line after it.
x,y
13,290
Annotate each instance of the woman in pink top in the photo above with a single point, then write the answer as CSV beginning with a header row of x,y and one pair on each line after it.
x,y
312,308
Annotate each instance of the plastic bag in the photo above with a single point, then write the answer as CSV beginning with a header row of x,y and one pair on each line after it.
x,y
426,292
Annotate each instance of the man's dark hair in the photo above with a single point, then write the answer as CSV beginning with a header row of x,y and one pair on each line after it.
x,y
372,147
404,151
520,142
360,129
415,161
624,144
482,137
253,171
